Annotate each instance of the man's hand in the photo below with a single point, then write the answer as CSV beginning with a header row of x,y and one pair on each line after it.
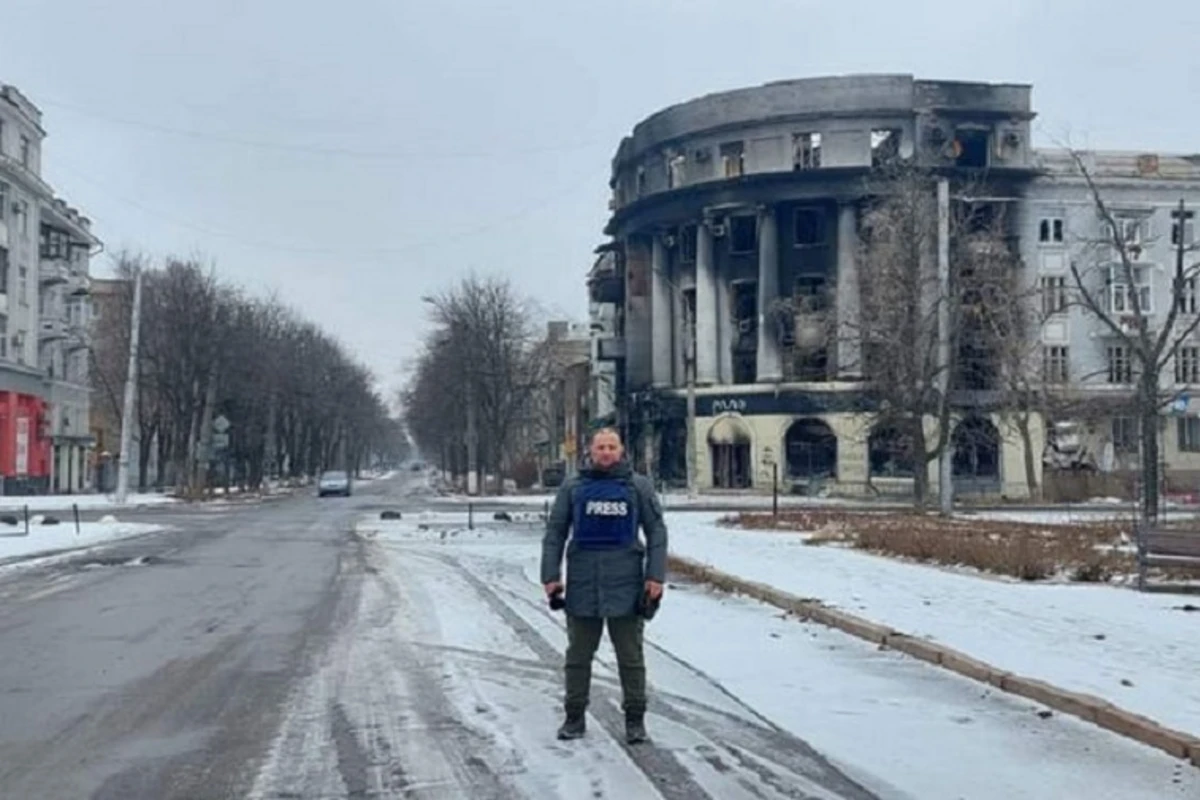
x,y
654,589
553,587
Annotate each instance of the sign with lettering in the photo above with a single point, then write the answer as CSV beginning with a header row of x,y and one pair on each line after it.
x,y
722,405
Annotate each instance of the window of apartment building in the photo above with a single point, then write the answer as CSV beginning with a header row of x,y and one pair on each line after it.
x,y
1125,434
1054,364
641,181
3,336
19,346
809,227
23,285
885,146
1187,434
806,150
743,234
24,214
1122,296
26,151
3,270
733,159
1133,230
971,147
1187,230
1186,301
1120,365
3,199
1187,365
1054,294
687,244
1051,230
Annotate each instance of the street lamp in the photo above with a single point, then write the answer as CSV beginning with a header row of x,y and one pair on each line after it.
x,y
769,459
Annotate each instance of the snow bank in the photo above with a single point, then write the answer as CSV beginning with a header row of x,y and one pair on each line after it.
x,y
86,502
53,538
1138,651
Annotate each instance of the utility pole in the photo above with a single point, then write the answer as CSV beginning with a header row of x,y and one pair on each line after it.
x,y
945,463
131,380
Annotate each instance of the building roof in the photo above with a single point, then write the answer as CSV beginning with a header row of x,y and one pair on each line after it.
x,y
1120,163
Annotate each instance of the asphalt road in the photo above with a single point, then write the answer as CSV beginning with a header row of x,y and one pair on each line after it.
x,y
157,668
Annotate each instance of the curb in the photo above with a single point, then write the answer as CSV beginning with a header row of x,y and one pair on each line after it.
x,y
1083,706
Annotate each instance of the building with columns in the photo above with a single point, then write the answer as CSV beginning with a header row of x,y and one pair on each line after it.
x,y
735,239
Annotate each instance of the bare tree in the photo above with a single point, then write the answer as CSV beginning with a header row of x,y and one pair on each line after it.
x,y
927,337
1113,286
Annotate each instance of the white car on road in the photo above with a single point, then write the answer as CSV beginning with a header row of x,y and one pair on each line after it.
x,y
334,482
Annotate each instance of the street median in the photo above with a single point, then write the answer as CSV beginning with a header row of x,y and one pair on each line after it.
x,y
1083,706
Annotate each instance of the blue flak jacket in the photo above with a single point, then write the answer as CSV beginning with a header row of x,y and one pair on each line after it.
x,y
595,523
605,514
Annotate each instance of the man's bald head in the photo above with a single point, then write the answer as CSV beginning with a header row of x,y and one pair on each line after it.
x,y
606,448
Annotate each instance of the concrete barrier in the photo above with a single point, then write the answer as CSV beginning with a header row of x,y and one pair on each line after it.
x,y
1083,706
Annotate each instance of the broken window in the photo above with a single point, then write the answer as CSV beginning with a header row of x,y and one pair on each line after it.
x,y
733,159
743,234
809,227
1055,364
971,147
806,151
1054,294
1120,365
687,244
885,146
1050,230
641,181
745,331
811,448
1188,228
890,453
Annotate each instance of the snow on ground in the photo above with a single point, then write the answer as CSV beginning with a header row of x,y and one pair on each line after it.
x,y
1139,651
44,539
86,502
724,668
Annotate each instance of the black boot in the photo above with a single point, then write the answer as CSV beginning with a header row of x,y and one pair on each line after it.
x,y
635,727
574,727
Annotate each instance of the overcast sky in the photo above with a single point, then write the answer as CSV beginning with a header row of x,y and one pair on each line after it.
x,y
355,155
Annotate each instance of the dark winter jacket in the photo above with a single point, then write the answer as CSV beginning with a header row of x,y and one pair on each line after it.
x,y
606,566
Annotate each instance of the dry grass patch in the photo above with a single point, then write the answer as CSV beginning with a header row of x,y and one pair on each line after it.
x,y
1028,551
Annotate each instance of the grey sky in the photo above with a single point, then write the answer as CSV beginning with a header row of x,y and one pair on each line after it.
x,y
477,134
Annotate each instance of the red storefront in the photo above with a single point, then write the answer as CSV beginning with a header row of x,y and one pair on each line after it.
x,y
24,445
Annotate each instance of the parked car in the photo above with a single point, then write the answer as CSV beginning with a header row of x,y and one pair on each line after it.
x,y
334,482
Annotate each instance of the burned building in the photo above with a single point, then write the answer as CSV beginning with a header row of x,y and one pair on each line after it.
x,y
727,209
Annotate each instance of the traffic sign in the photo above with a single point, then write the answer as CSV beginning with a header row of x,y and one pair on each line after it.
x,y
221,424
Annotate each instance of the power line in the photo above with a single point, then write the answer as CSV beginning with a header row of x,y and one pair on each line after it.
x,y
443,239
344,152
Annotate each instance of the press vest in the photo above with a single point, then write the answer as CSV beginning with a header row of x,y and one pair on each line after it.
x,y
605,514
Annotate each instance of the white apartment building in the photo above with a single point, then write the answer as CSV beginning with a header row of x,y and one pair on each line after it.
x,y
45,249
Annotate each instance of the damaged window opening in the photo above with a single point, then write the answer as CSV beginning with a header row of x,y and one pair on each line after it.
x,y
743,234
745,331
733,159
890,453
971,147
687,244
806,151
885,146
809,227
675,166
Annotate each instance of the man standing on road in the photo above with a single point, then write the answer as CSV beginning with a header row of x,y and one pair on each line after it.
x,y
612,577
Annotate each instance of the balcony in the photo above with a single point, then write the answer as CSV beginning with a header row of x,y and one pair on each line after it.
x,y
79,285
52,330
77,338
53,272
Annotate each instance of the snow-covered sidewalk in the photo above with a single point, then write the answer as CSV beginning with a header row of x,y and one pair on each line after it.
x,y
46,539
1138,651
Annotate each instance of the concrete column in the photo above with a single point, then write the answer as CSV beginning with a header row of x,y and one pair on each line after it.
x,y
769,367
706,307
661,329
725,331
849,349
